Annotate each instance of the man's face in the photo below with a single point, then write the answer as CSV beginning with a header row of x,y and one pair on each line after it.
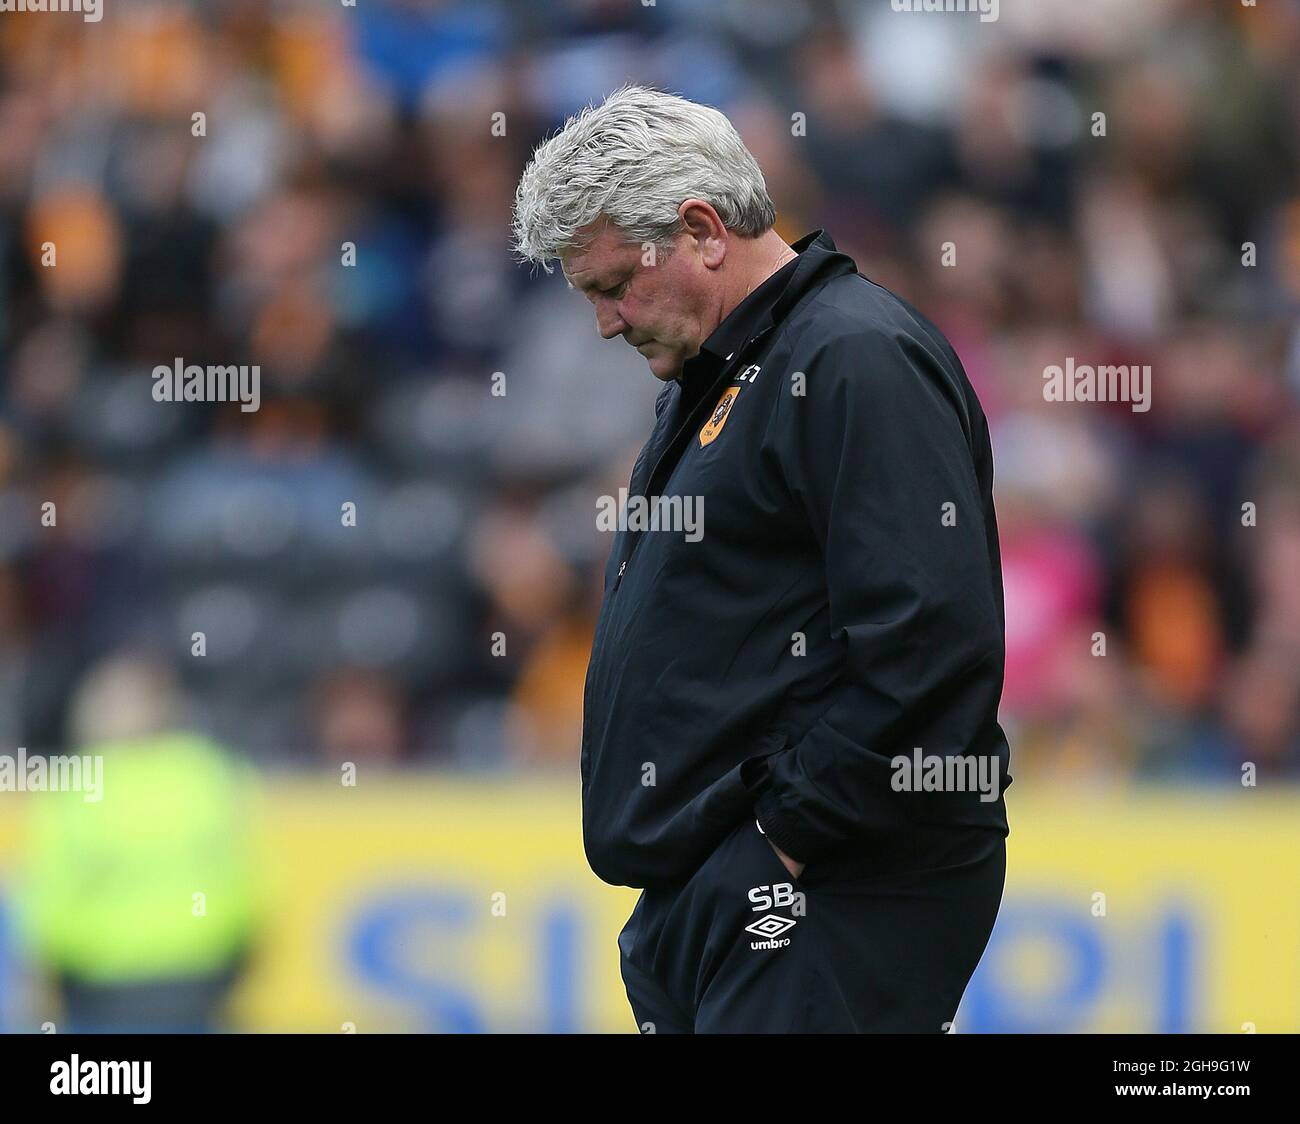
x,y
660,309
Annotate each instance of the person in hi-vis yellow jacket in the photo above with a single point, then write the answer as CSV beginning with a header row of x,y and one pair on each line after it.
x,y
141,902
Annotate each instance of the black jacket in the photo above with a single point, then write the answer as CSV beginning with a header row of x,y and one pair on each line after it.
x,y
834,613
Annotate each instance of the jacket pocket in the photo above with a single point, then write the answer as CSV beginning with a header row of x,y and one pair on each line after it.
x,y
777,864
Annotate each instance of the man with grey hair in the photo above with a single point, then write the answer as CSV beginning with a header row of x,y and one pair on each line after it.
x,y
790,735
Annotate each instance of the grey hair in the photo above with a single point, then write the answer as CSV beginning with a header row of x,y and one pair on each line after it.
x,y
633,160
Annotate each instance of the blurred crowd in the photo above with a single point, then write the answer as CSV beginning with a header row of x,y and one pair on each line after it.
x,y
325,190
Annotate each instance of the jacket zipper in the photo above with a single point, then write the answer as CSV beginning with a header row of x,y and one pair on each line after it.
x,y
689,424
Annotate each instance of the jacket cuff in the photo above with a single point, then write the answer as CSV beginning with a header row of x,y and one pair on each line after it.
x,y
771,819
756,774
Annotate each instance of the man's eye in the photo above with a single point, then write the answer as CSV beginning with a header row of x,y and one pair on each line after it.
x,y
616,291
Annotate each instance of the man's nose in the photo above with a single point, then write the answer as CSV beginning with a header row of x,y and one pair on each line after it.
x,y
608,321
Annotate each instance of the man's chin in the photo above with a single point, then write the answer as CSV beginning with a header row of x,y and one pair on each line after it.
x,y
664,367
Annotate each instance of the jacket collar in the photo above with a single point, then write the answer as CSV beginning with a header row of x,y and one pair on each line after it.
x,y
766,306
819,261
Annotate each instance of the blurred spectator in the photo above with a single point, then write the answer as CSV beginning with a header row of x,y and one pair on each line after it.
x,y
141,901
358,720
339,217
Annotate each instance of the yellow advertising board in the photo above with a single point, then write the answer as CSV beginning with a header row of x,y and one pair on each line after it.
x,y
431,903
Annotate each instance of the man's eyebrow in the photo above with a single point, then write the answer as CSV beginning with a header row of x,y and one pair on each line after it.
x,y
607,280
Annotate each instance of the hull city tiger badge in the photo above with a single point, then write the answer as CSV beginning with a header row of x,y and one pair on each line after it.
x,y
720,414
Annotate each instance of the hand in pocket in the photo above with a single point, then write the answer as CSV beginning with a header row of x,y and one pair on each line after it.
x,y
795,868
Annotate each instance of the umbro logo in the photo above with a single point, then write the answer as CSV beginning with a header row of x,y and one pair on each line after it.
x,y
771,926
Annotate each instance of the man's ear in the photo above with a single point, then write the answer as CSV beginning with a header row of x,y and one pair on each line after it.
x,y
706,231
